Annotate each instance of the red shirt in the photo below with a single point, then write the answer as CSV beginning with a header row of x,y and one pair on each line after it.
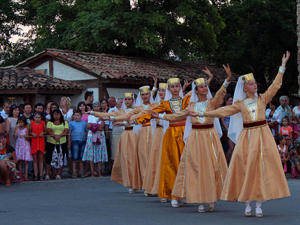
x,y
286,130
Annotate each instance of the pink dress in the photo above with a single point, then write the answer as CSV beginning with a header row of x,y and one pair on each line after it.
x,y
22,146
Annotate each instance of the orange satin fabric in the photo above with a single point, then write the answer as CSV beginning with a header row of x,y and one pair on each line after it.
x,y
172,148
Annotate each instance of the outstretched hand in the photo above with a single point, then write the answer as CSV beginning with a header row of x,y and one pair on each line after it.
x,y
285,58
228,72
193,113
154,114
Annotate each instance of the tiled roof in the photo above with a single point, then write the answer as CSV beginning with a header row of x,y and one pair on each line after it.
x,y
116,67
27,78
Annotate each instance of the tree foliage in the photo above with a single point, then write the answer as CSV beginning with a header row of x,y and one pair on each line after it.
x,y
257,33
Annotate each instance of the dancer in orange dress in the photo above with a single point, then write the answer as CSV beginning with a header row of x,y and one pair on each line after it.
x,y
255,172
203,166
173,144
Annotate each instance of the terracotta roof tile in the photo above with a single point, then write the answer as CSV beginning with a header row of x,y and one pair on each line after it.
x,y
27,78
116,67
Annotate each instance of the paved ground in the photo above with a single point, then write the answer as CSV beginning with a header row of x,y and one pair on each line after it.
x,y
98,201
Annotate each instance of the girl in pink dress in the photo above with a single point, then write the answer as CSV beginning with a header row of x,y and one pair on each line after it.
x,y
22,146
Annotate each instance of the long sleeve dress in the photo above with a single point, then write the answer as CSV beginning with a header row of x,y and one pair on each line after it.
x,y
203,166
255,171
172,145
144,135
125,170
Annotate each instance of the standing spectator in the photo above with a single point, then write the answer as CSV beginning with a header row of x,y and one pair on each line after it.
x,y
286,129
107,131
78,129
8,160
65,107
116,131
83,109
23,146
296,110
57,128
27,112
284,110
37,131
89,97
39,107
12,123
95,149
228,145
48,108
112,102
6,109
272,122
54,106
89,107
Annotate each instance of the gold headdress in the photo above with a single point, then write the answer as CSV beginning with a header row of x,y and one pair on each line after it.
x,y
172,81
162,86
248,77
144,89
128,95
200,81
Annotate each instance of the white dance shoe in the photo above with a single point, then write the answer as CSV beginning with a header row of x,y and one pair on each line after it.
x,y
174,203
258,212
248,211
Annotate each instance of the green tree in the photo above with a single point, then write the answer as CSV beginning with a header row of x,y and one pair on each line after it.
x,y
257,33
188,28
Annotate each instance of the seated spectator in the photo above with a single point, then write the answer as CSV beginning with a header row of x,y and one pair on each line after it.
x,y
284,110
273,124
286,129
295,161
283,151
78,129
8,160
294,125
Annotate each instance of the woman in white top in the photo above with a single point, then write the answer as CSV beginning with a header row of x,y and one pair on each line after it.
x,y
11,124
65,108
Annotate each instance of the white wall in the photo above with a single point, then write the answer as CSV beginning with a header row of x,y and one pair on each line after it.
x,y
65,72
119,92
43,66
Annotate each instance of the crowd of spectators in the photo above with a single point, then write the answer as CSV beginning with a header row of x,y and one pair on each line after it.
x,y
39,142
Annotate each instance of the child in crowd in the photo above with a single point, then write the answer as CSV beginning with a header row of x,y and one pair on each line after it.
x,y
283,151
23,146
56,146
37,131
286,129
77,141
295,127
95,149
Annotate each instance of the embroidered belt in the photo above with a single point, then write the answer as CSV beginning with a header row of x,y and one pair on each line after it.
x,y
128,128
177,124
204,126
255,124
147,124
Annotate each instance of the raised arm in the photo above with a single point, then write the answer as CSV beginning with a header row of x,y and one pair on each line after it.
x,y
275,86
224,111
